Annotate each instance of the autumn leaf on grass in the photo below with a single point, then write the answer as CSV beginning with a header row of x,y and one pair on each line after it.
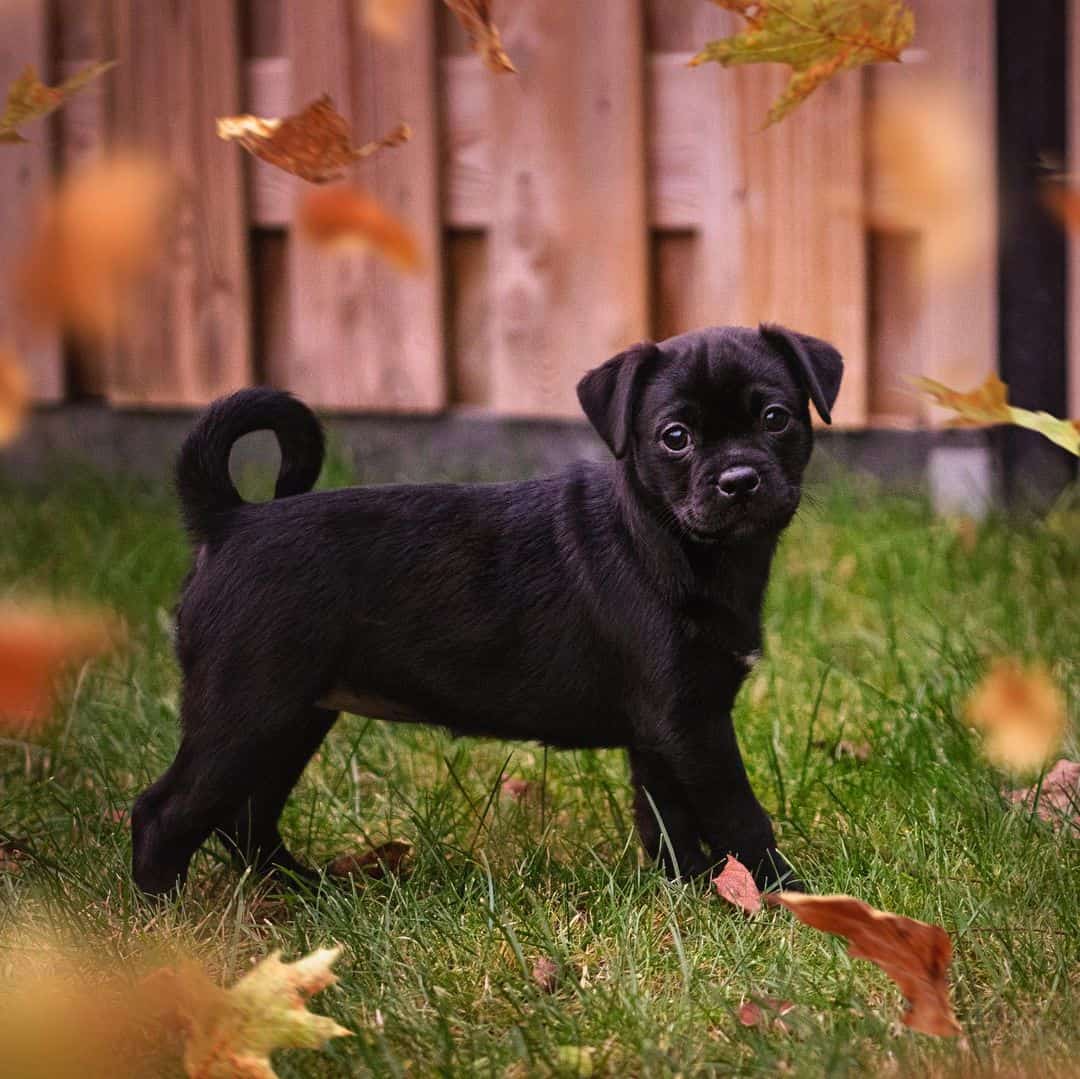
x,y
915,955
232,1032
96,239
375,862
313,144
14,394
765,1013
37,644
1056,798
387,18
988,404
30,99
735,883
345,217
1021,715
815,38
478,21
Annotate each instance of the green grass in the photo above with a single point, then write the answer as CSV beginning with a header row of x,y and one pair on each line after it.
x,y
879,621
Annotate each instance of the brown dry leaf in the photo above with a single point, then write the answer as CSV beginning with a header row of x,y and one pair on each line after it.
x,y
516,789
387,18
545,973
1021,714
346,217
735,883
765,1012
95,240
30,99
815,39
313,144
966,530
859,751
476,18
14,394
914,954
1062,198
1058,796
376,862
988,404
37,644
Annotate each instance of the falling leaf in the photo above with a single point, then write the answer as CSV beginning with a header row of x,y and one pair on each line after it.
x,y
545,973
387,18
914,954
30,99
1057,798
1021,714
376,862
988,404
735,883
1062,198
37,644
232,1032
346,217
14,394
95,241
476,18
765,1013
313,144
516,789
816,39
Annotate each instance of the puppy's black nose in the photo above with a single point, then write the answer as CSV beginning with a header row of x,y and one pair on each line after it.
x,y
739,482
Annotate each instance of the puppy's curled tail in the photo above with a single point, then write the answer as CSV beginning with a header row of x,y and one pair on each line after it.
x,y
206,489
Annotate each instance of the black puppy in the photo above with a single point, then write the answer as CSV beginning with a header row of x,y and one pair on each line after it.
x,y
610,605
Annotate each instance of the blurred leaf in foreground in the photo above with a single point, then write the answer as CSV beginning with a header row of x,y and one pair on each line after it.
x,y
30,99
314,144
1021,715
387,19
989,404
478,21
14,394
96,239
815,38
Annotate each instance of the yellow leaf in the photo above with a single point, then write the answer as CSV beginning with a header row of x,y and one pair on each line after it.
x,y
815,38
477,19
30,99
313,144
988,404
1021,714
14,394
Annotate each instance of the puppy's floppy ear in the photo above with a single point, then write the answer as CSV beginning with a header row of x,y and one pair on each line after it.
x,y
818,366
607,394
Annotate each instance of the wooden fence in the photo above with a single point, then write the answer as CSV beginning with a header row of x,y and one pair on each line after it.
x,y
605,194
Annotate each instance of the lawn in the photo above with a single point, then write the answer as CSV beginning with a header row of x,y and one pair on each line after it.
x,y
880,619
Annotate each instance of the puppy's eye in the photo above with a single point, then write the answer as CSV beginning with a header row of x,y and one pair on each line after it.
x,y
775,418
676,438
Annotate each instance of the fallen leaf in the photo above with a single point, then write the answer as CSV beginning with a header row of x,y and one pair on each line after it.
x,y
988,404
313,144
764,1013
36,645
966,530
387,18
545,973
516,789
1021,714
14,394
914,954
232,1032
815,39
376,862
12,855
30,99
859,751
932,176
477,19
95,240
735,883
346,217
1058,796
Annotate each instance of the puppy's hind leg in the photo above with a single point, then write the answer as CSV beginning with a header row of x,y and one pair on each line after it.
x,y
252,835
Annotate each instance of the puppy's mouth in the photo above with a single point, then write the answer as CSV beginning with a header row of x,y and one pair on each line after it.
x,y
742,521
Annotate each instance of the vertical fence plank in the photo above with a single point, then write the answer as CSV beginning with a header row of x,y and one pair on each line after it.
x,y
24,177
178,70
366,336
1074,236
569,265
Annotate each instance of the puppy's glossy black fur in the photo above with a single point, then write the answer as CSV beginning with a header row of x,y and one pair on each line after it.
x,y
609,605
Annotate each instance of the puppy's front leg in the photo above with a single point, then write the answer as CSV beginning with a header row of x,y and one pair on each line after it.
x,y
665,822
704,758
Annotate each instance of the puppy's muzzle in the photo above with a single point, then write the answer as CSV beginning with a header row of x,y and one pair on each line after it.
x,y
738,483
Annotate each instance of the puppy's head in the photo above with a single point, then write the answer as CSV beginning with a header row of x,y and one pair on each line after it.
x,y
715,424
